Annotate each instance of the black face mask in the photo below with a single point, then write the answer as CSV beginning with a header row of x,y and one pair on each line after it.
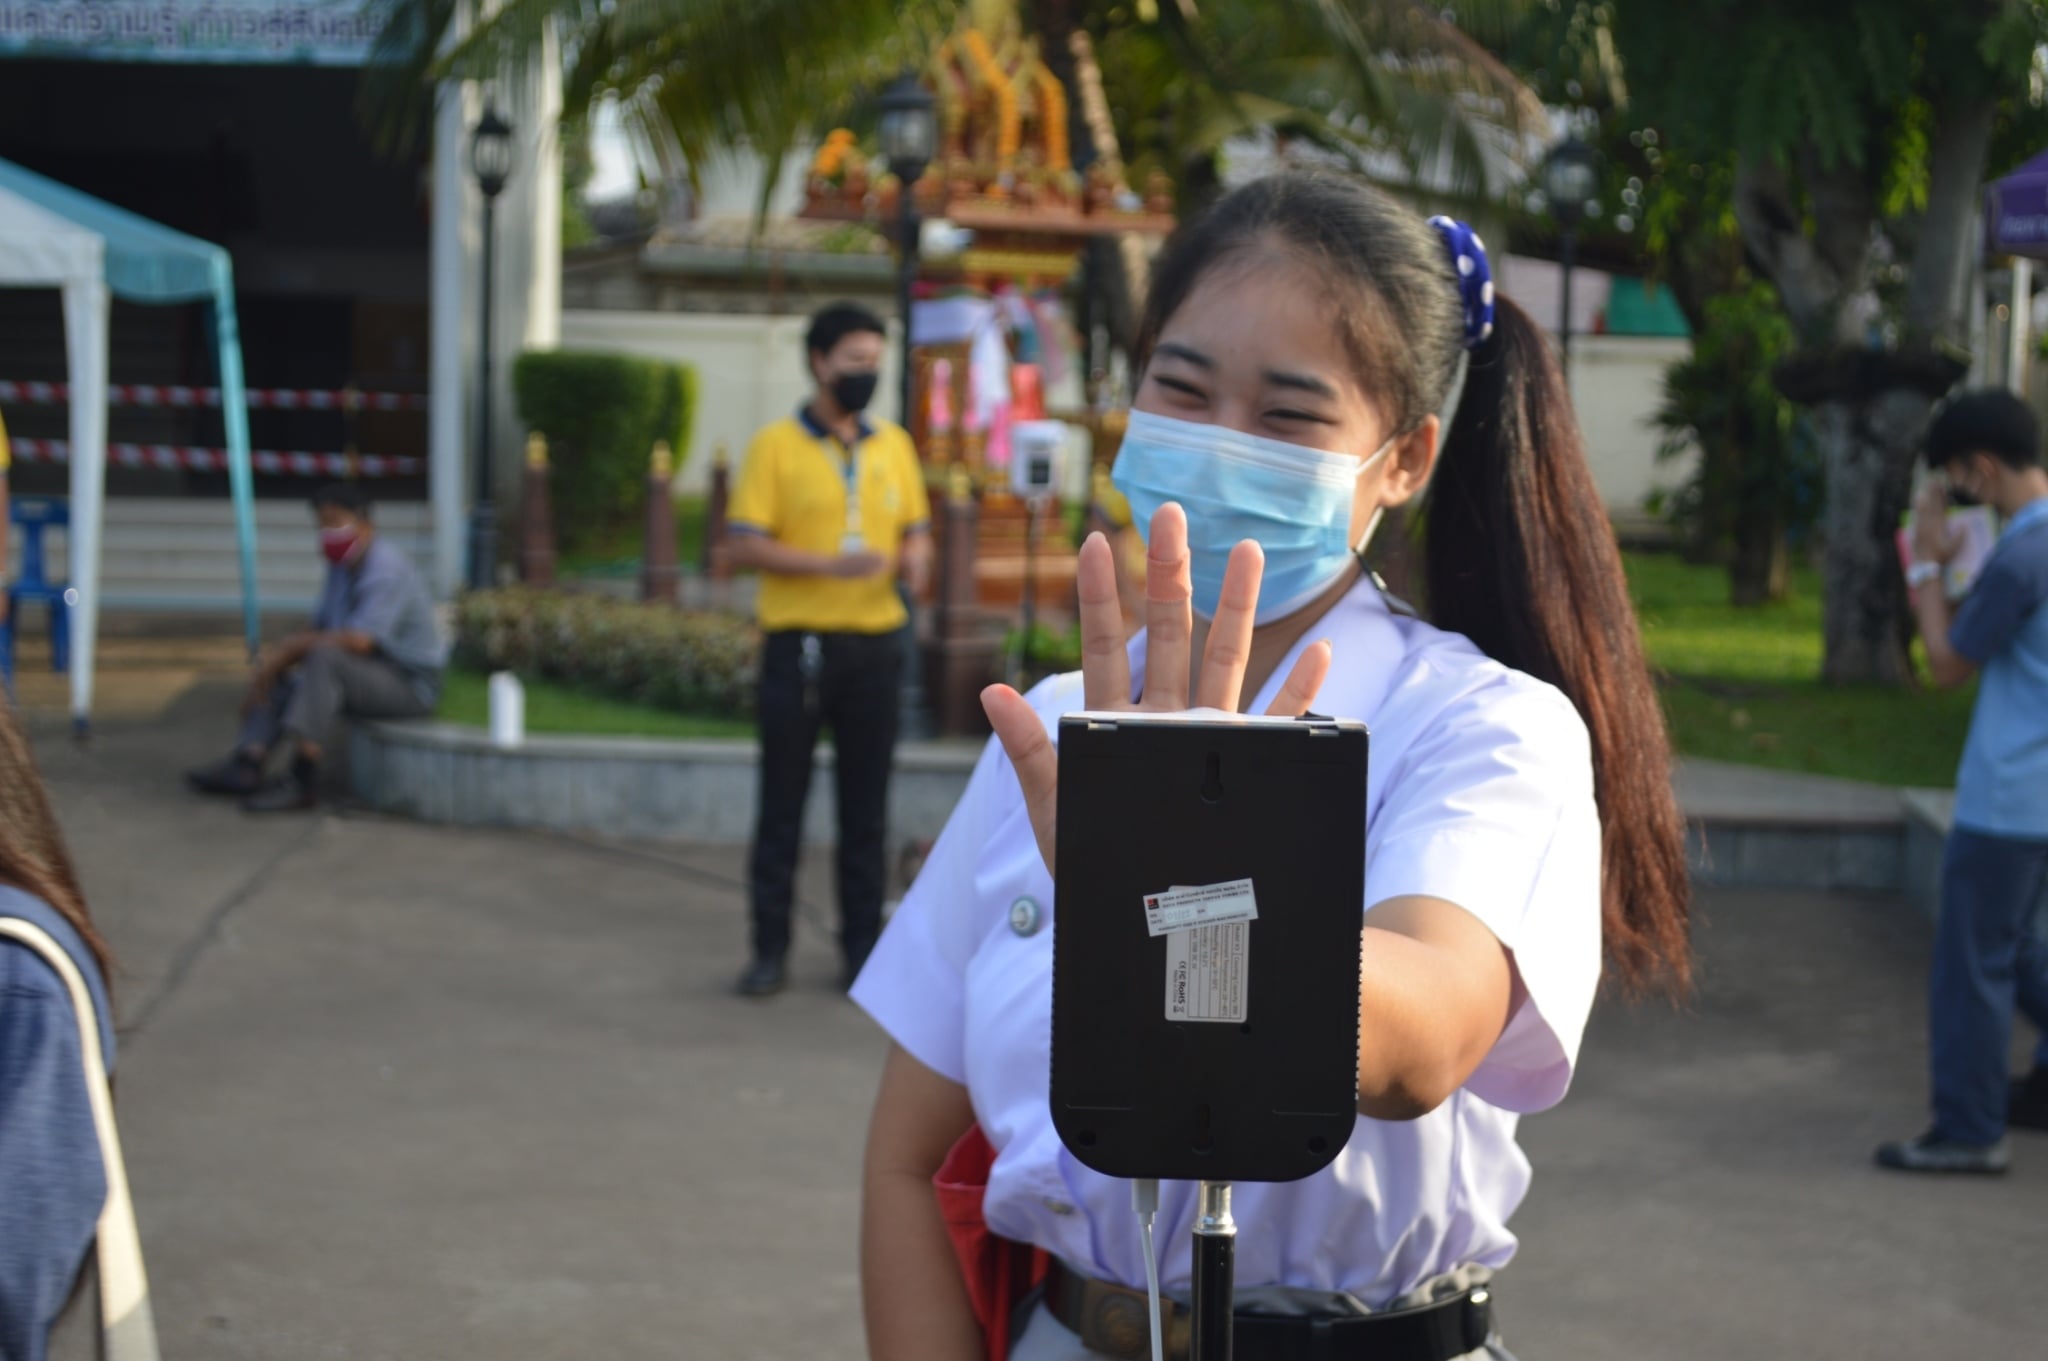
x,y
853,391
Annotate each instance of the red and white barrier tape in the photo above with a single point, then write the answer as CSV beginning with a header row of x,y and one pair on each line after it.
x,y
260,399
272,461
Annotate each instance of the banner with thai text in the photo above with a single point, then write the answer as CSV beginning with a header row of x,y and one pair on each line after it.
x,y
192,32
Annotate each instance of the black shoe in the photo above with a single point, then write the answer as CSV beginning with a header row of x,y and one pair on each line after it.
x,y
235,774
2027,1107
285,794
1932,1153
849,972
764,978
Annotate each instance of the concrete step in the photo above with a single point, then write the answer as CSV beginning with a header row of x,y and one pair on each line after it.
x,y
180,552
141,539
186,510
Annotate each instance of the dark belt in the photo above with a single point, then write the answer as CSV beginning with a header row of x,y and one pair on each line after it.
x,y
1115,1321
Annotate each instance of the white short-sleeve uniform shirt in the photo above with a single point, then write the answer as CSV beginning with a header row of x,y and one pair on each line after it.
x,y
1480,793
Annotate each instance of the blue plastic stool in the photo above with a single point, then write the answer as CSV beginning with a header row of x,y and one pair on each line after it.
x,y
31,516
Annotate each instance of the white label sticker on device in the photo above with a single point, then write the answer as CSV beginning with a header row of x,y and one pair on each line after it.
x,y
1180,907
1205,972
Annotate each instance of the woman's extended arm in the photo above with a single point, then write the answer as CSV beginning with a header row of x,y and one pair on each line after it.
x,y
915,1301
1436,991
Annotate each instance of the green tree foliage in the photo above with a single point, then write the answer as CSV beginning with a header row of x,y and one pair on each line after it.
x,y
1756,477
1859,136
1670,216
1363,76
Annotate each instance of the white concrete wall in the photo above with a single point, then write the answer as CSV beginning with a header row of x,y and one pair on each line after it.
x,y
750,370
1617,383
178,553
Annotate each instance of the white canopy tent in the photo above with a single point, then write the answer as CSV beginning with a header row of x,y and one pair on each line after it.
x,y
52,236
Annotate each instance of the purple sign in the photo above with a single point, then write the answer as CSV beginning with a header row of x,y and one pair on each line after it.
x,y
2016,211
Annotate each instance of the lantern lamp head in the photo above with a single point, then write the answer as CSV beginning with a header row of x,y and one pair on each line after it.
x,y
490,152
1571,178
910,128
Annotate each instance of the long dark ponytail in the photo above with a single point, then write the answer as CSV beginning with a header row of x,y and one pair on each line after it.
x,y
33,857
1518,552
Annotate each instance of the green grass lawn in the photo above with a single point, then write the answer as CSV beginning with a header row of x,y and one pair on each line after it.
x,y
552,708
1739,685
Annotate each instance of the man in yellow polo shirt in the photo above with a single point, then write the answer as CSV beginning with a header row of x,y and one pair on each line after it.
x,y
830,508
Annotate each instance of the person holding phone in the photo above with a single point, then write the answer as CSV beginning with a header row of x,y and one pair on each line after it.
x,y
830,507
1984,448
1300,340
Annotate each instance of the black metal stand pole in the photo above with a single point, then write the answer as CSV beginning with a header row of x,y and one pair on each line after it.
x,y
910,720
1215,1270
1570,252
483,521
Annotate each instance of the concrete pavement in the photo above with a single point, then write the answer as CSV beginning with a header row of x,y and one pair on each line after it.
x,y
409,1092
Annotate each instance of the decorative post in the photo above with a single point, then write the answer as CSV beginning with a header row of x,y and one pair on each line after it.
x,y
658,560
717,564
537,517
956,575
964,655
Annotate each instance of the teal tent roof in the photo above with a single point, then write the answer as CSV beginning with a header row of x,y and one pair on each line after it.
x,y
1637,307
53,234
146,261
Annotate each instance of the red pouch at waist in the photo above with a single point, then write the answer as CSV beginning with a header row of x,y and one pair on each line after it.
x,y
998,1272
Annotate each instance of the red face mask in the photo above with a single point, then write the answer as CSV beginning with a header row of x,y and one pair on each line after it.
x,y
336,545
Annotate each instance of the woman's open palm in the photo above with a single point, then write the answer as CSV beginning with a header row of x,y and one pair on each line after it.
x,y
1169,631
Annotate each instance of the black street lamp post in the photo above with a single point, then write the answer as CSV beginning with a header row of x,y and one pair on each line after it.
x,y
1570,179
910,135
490,159
909,139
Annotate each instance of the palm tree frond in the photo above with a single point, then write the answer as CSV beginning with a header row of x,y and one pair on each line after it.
x,y
395,101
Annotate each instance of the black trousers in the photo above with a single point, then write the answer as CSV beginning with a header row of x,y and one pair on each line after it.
x,y
808,680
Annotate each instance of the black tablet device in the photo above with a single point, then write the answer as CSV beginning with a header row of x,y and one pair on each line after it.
x,y
1210,893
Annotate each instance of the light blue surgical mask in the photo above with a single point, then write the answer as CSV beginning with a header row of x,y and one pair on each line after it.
x,y
1295,502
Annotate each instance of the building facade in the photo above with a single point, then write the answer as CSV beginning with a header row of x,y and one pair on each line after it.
x,y
239,122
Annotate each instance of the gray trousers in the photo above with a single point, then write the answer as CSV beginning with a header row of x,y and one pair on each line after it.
x,y
329,683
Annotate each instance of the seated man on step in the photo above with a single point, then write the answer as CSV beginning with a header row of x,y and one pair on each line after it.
x,y
374,651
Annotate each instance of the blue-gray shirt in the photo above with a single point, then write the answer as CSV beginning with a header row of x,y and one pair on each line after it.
x,y
53,1182
383,595
2002,787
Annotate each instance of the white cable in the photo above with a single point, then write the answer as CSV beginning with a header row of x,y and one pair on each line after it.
x,y
1145,1203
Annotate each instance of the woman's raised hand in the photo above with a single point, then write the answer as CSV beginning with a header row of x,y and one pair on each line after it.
x,y
1169,673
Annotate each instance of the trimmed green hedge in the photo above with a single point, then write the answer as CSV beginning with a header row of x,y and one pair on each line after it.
x,y
601,414
657,655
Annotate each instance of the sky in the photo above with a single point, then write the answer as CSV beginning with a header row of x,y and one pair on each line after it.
x,y
613,174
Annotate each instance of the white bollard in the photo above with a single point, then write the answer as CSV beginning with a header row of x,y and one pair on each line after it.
x,y
508,710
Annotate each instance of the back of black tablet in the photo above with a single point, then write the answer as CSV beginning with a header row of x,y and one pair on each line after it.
x,y
1210,884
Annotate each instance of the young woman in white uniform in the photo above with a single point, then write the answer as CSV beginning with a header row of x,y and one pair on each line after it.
x,y
1300,340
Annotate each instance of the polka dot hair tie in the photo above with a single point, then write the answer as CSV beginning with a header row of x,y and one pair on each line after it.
x,y
1475,277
